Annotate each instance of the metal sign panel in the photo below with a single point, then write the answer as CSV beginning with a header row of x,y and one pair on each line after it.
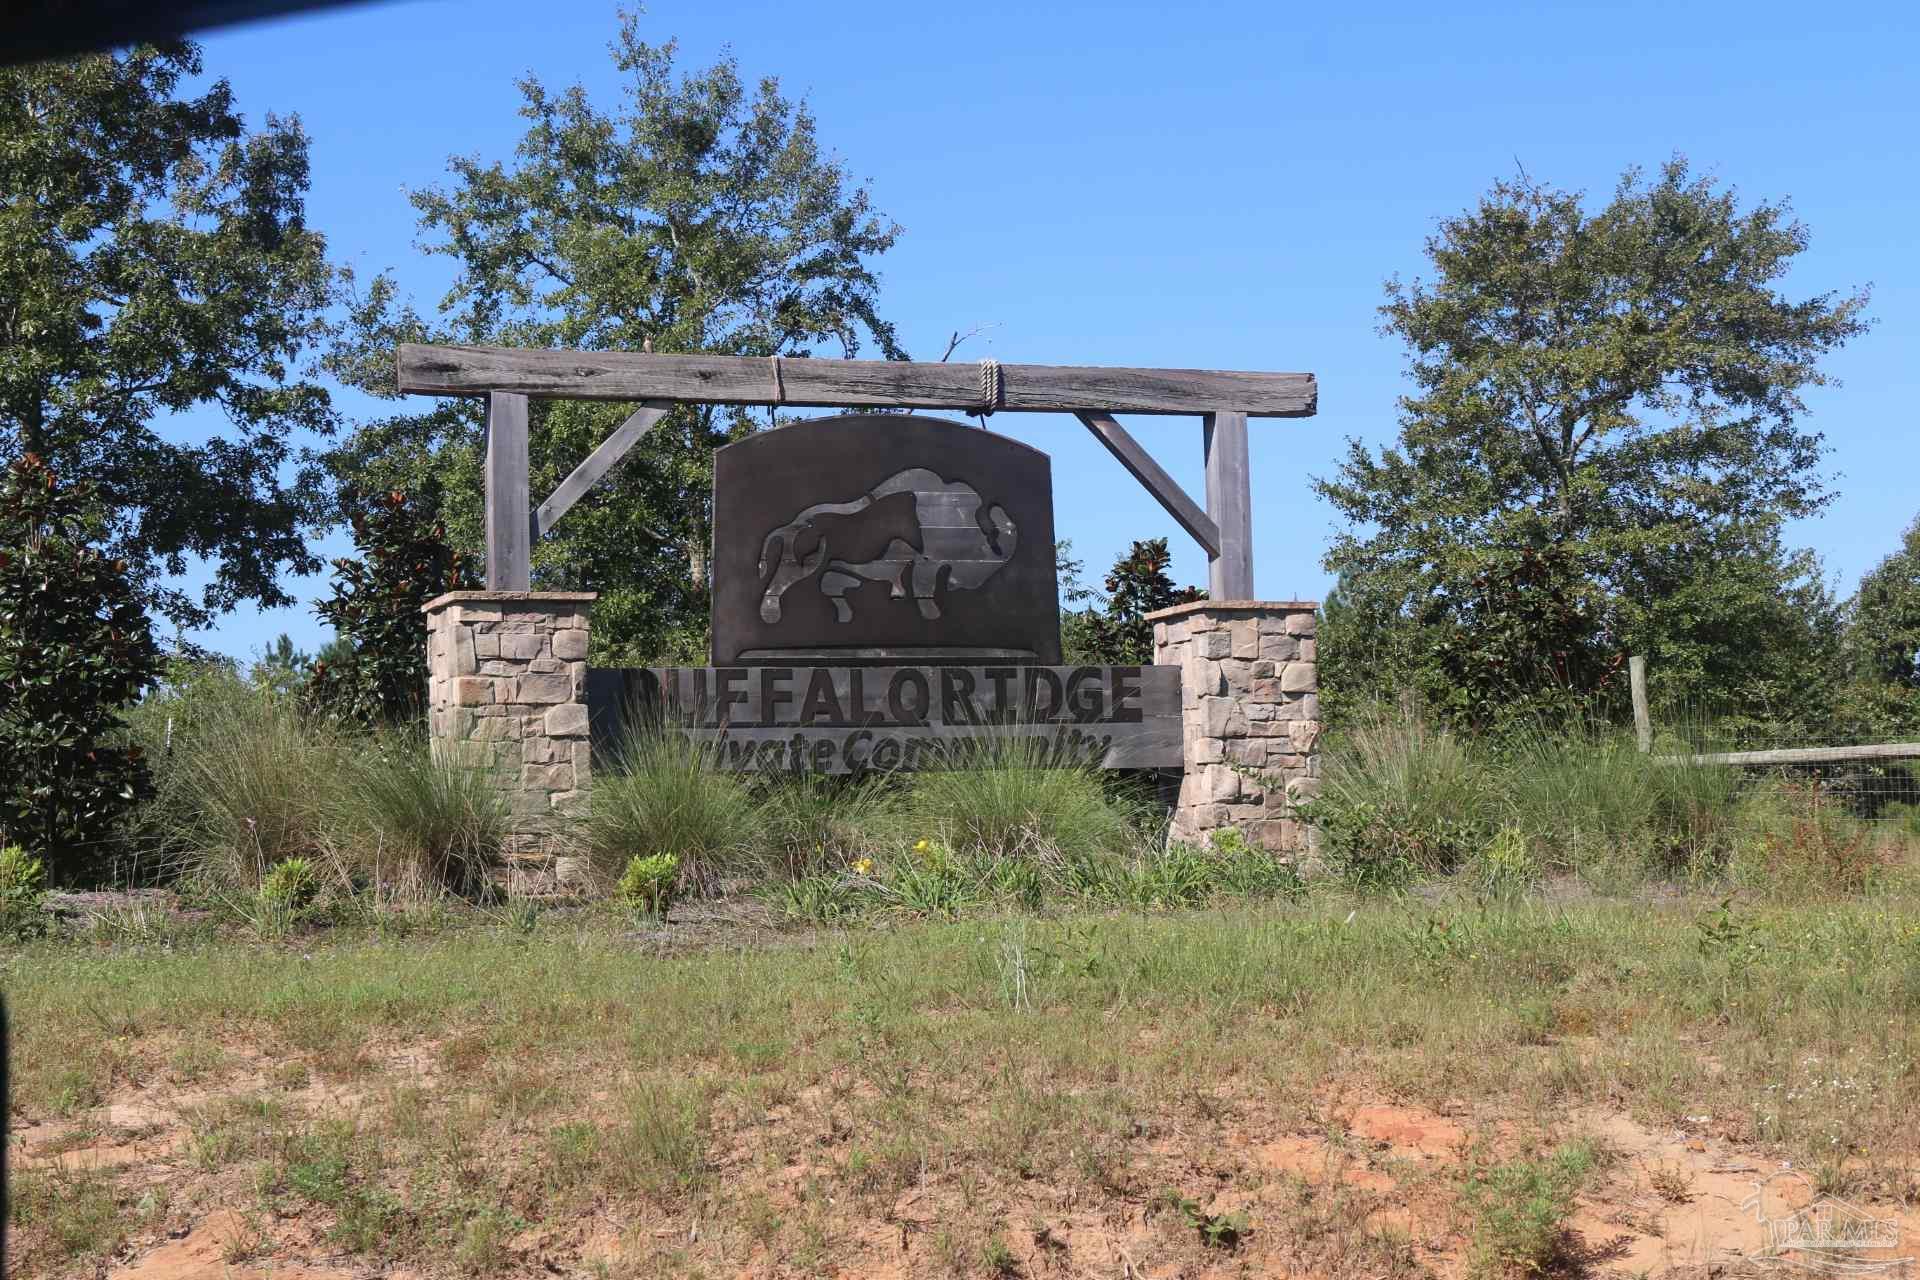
x,y
848,719
883,537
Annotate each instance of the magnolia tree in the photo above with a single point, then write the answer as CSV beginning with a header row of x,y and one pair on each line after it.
x,y
75,649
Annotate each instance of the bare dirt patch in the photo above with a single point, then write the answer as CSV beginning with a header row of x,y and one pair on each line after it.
x,y
1369,1187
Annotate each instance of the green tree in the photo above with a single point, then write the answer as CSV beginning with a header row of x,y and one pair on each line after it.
x,y
154,262
1883,623
404,561
1881,643
1116,631
75,649
1616,394
700,216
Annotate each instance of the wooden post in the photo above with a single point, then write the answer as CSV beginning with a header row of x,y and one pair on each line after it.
x,y
509,522
1642,719
1230,504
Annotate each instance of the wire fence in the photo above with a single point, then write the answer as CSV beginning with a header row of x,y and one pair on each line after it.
x,y
1871,772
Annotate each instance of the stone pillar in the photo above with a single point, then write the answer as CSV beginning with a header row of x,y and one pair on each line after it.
x,y
507,690
1249,694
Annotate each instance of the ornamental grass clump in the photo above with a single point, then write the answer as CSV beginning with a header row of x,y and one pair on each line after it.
x,y
813,822
662,794
1007,803
244,780
1399,800
411,822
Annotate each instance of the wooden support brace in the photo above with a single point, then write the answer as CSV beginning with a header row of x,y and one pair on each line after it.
x,y
1230,503
1155,480
509,526
597,464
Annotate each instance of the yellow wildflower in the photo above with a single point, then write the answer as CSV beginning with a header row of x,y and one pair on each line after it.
x,y
863,865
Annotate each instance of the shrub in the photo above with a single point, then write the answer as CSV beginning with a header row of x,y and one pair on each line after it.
x,y
662,795
293,884
404,561
411,821
1399,799
23,892
648,883
75,648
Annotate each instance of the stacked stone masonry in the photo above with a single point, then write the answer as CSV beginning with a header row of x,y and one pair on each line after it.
x,y
1249,689
507,691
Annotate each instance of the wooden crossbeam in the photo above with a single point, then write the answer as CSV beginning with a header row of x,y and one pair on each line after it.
x,y
1185,511
633,375
597,464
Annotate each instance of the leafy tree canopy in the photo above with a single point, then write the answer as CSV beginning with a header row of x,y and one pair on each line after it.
x,y
1615,394
700,216
154,260
1881,645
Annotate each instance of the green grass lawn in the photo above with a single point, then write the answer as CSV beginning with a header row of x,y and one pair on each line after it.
x,y
964,1097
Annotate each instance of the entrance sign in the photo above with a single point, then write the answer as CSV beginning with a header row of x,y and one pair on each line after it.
x,y
876,537
849,718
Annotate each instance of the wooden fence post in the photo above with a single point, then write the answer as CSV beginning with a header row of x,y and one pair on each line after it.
x,y
1230,504
509,520
1642,720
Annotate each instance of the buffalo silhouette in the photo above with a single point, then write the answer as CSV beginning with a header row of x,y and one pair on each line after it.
x,y
954,544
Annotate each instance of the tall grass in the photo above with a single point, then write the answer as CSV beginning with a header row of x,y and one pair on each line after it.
x,y
662,794
1009,803
1401,799
243,780
414,823
1589,801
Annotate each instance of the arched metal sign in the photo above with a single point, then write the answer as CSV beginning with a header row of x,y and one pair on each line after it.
x,y
875,538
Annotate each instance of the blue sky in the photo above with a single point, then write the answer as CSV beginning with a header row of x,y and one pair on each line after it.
x,y
1219,186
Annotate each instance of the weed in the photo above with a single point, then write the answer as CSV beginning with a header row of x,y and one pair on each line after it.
x,y
1671,1182
648,883
482,1241
1216,1230
23,893
74,1211
1519,1210
820,899
997,1259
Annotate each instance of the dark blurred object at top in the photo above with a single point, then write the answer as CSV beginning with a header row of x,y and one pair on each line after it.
x,y
31,31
